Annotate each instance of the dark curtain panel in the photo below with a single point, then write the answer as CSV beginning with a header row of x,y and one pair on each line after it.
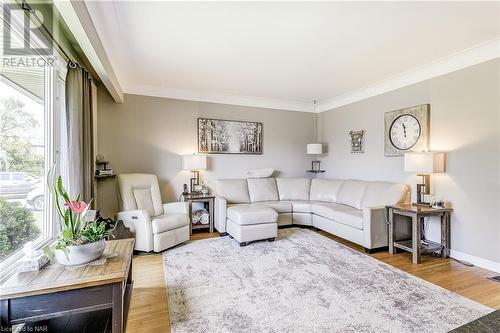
x,y
80,129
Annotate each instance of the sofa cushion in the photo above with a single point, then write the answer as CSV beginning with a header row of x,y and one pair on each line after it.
x,y
351,193
383,193
278,206
144,200
262,189
324,209
259,173
233,190
301,207
139,191
251,214
339,213
348,216
293,188
324,190
168,222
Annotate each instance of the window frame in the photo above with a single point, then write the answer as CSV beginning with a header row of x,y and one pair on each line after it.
x,y
53,114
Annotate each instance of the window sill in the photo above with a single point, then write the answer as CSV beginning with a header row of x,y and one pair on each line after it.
x,y
9,266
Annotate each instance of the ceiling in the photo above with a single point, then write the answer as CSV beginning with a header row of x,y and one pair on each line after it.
x,y
286,54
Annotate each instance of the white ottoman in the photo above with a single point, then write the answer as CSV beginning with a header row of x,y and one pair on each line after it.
x,y
252,222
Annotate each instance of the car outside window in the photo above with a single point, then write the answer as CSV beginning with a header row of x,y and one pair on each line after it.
x,y
19,176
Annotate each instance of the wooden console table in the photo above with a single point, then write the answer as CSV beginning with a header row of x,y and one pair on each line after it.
x,y
59,291
198,197
417,215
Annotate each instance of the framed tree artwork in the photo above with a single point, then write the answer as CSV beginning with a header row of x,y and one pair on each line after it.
x,y
216,136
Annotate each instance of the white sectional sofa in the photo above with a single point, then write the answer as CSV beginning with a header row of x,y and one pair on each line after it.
x,y
351,209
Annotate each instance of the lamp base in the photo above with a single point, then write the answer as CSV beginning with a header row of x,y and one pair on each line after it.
x,y
195,180
423,189
316,166
421,204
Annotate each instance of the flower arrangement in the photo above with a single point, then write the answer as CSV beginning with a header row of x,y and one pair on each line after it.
x,y
75,229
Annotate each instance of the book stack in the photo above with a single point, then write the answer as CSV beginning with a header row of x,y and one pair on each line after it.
x,y
104,172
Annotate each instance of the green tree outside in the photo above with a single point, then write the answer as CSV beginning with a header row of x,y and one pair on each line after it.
x,y
16,152
17,227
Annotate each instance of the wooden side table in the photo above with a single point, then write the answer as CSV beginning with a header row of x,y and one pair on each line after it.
x,y
56,292
417,214
198,197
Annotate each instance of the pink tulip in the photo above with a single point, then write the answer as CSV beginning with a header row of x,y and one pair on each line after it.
x,y
76,206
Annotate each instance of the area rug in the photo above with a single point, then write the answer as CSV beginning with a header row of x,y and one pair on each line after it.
x,y
302,282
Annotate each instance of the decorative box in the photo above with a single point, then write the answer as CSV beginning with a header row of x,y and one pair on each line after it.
x,y
32,264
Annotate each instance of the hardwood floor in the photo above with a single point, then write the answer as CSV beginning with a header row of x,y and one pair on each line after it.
x,y
470,282
149,309
148,306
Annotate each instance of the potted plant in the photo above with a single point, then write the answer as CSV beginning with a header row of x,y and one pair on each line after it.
x,y
80,241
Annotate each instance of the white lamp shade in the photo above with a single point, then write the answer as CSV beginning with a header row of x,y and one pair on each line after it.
x,y
424,162
314,148
194,162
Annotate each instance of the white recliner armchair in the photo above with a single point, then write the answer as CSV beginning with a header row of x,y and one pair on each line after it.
x,y
156,226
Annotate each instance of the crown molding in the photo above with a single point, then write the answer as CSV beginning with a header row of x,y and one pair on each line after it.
x,y
258,102
77,17
469,57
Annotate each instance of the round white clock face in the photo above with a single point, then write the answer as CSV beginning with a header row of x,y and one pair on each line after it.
x,y
404,132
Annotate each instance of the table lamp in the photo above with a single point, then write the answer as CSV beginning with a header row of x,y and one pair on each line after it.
x,y
315,149
423,164
194,163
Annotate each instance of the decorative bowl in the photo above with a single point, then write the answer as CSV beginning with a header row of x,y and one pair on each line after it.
x,y
80,254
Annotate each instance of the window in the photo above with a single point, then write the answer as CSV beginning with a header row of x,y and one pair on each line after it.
x,y
19,177
30,108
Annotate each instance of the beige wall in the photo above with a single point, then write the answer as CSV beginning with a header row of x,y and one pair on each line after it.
x,y
148,134
464,123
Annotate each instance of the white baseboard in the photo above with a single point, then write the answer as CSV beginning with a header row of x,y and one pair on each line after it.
x,y
479,262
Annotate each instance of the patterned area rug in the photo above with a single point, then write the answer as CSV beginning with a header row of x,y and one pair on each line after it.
x,y
302,282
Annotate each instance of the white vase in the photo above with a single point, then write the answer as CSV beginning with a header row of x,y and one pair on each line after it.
x,y
80,254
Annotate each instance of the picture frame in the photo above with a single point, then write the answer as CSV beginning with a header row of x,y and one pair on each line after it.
x,y
357,141
422,115
220,136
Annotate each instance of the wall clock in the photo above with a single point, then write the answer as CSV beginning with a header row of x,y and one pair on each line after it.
x,y
406,130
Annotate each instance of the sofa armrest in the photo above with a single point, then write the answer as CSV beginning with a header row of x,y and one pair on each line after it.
x,y
375,227
176,207
139,222
220,214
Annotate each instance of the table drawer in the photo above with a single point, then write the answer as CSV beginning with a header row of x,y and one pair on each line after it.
x,y
41,307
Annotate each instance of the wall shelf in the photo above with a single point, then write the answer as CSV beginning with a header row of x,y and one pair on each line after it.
x,y
104,176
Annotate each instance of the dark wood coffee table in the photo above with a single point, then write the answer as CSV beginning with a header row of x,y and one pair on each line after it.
x,y
59,291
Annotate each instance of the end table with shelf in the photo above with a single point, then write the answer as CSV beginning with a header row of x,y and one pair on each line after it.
x,y
208,200
416,245
72,296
